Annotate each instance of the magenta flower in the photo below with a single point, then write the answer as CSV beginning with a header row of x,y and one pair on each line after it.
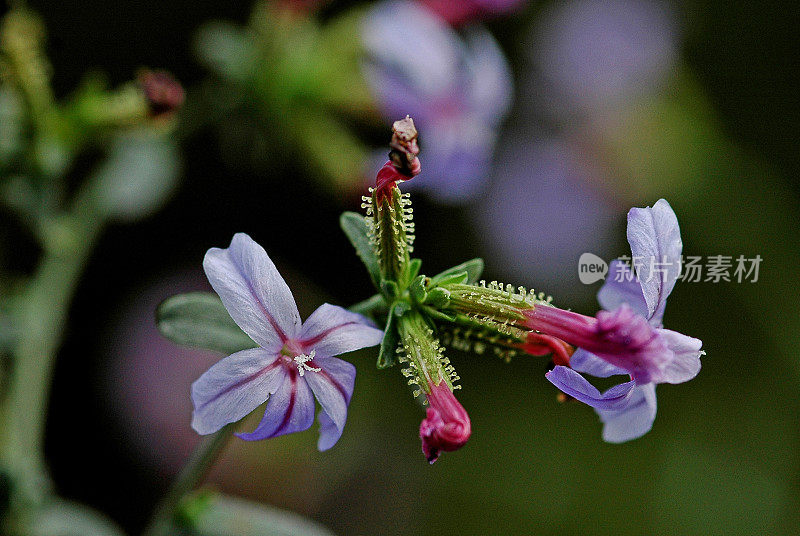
x,y
294,361
446,426
458,90
627,337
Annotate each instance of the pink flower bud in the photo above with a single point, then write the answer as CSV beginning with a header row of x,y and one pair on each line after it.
x,y
446,427
164,94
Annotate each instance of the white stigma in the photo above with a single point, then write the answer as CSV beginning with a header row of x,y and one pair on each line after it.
x,y
301,361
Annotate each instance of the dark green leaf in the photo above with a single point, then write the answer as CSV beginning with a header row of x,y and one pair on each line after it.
x,y
474,269
386,355
355,227
199,320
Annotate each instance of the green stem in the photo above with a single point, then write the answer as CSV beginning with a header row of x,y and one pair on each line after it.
x,y
195,470
41,319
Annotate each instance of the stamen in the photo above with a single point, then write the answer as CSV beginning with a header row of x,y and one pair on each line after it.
x,y
302,360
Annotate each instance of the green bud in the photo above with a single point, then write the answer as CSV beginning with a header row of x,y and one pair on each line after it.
x,y
417,289
438,297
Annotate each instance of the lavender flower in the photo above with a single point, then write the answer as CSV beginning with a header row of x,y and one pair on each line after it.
x,y
458,91
294,362
631,324
591,54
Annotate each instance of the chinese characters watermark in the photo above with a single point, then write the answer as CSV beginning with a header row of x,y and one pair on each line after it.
x,y
690,269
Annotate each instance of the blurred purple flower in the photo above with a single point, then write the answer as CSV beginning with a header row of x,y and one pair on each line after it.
x,y
457,90
594,53
293,363
628,409
542,212
464,11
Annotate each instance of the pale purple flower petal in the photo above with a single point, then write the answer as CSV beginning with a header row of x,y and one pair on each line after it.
x,y
634,419
686,363
397,97
253,292
622,286
573,384
491,89
333,387
655,237
407,38
289,410
329,433
332,330
233,387
588,363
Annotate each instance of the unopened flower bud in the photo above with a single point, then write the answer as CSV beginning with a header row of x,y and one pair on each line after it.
x,y
447,426
164,94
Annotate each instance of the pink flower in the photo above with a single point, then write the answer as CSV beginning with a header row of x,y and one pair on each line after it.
x,y
446,427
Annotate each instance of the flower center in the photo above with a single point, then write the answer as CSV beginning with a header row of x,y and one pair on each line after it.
x,y
302,363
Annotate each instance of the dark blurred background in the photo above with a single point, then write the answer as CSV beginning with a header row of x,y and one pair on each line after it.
x,y
719,142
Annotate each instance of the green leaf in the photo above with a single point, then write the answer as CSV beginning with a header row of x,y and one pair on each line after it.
x,y
386,354
199,320
139,175
474,269
355,227
226,49
371,307
65,518
229,516
193,506
456,278
412,269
